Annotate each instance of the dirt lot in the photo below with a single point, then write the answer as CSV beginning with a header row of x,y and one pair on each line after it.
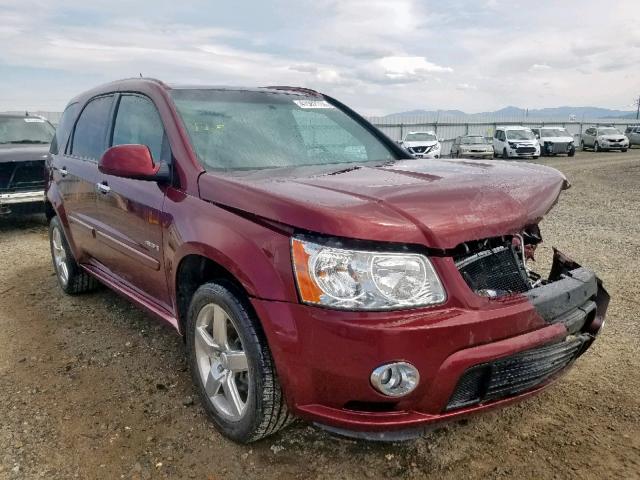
x,y
91,387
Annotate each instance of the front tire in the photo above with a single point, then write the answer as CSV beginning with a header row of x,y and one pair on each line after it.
x,y
505,155
231,365
71,278
596,147
572,152
624,149
582,146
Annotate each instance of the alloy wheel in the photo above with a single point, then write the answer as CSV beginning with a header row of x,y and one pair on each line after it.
x,y
222,361
60,256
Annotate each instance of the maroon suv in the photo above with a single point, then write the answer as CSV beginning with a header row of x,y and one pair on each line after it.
x,y
314,268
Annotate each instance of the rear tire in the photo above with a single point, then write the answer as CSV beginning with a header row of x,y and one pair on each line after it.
x,y
71,278
242,397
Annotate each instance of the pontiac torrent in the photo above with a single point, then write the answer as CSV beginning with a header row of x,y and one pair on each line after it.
x,y
314,268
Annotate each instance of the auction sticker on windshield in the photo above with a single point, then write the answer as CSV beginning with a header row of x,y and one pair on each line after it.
x,y
313,104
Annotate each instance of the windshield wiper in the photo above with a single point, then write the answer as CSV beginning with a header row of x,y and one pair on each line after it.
x,y
27,141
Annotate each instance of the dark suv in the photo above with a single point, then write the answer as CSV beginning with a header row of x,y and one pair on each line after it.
x,y
313,269
24,147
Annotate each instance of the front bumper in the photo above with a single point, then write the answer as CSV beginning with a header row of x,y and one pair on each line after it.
x,y
486,154
614,146
523,152
325,357
13,199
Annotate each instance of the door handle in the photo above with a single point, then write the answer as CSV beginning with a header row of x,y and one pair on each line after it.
x,y
103,187
63,171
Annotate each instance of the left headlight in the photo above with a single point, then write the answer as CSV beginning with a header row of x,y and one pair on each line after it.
x,y
364,280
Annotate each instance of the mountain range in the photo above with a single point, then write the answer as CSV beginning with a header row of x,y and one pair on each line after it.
x,y
564,113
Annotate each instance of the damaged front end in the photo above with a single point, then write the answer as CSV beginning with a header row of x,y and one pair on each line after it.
x,y
571,295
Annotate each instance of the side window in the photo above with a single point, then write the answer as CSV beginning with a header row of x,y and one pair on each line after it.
x,y
59,141
503,136
89,135
138,122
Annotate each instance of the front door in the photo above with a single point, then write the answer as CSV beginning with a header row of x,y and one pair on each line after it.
x,y
130,211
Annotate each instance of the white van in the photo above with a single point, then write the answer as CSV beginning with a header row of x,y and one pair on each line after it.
x,y
515,141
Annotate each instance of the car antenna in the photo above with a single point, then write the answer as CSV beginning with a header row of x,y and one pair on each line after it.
x,y
140,74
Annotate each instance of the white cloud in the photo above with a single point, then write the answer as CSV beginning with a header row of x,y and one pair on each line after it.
x,y
539,67
375,55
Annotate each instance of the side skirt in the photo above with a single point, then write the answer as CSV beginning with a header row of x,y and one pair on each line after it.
x,y
133,296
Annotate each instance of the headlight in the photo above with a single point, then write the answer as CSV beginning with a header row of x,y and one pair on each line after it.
x,y
363,280
513,144
436,146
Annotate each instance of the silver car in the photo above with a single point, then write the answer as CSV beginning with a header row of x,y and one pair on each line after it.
x,y
604,138
633,134
472,146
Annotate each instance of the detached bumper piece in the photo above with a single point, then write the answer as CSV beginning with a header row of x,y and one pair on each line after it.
x,y
515,374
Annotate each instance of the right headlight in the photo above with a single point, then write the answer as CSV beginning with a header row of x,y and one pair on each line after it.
x,y
363,280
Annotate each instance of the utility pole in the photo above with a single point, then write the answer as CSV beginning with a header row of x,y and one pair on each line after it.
x,y
637,102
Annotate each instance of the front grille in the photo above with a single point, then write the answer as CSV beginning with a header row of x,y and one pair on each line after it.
x,y
560,147
516,374
498,269
22,176
419,149
526,149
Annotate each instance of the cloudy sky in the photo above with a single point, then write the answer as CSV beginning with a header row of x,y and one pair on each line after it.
x,y
379,56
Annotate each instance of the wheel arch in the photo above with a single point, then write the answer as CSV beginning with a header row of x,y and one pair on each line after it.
x,y
195,269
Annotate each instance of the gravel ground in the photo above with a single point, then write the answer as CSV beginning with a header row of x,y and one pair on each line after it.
x,y
91,387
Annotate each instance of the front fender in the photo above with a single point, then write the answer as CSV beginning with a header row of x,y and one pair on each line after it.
x,y
257,256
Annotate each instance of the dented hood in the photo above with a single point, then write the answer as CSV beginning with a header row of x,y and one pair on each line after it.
x,y
438,203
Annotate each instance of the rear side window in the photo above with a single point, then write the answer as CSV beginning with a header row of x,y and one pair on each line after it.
x,y
89,137
138,122
64,127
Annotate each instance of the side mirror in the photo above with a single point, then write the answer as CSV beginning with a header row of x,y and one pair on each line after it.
x,y
132,161
399,142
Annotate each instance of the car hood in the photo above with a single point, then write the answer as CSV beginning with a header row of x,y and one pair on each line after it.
x,y
23,152
419,144
556,139
437,203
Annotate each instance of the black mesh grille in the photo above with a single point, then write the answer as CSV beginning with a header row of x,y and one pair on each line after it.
x,y
495,269
516,374
526,149
21,176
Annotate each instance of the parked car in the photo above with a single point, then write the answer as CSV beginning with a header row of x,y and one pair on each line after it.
x,y
515,141
24,146
633,134
604,138
554,141
314,268
472,146
422,144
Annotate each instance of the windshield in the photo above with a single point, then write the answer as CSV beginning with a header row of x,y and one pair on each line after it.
x,y
25,130
608,131
246,130
520,135
555,132
473,140
420,137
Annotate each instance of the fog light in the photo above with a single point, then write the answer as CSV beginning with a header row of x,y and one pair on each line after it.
x,y
395,379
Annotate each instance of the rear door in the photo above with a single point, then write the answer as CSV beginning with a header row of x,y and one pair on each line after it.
x,y
130,211
76,174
